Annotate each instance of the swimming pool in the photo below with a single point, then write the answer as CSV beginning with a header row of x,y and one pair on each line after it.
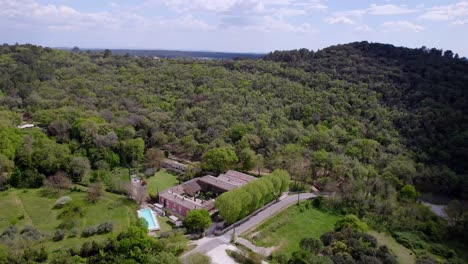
x,y
150,218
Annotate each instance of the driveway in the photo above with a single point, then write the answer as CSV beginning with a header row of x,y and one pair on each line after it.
x,y
206,244
269,212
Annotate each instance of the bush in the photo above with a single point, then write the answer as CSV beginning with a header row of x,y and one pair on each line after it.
x,y
58,235
73,232
318,202
10,232
89,231
31,233
242,258
409,240
62,201
408,192
426,259
441,250
198,258
70,215
312,245
351,222
105,227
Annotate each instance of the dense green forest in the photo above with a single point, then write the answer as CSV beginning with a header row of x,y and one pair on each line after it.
x,y
365,121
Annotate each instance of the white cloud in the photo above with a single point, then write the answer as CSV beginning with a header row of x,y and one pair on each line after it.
x,y
350,16
272,24
389,10
218,6
402,26
456,13
289,12
460,22
200,5
339,20
363,28
65,18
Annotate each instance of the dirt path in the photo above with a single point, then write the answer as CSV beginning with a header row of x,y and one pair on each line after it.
x,y
25,213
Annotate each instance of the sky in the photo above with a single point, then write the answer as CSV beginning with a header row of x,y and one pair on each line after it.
x,y
234,25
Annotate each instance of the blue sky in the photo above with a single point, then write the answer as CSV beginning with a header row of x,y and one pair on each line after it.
x,y
234,25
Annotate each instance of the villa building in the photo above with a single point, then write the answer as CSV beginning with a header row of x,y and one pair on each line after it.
x,y
200,193
174,165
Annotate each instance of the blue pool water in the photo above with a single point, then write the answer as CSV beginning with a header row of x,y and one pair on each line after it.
x,y
148,216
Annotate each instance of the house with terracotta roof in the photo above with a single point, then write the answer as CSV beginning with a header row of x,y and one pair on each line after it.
x,y
200,193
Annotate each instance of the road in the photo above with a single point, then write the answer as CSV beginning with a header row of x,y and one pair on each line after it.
x,y
206,244
269,212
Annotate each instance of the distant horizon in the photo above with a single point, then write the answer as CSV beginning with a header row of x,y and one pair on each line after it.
x,y
161,49
227,52
235,26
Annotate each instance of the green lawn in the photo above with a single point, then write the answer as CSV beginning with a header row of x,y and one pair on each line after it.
x,y
161,181
165,224
29,207
287,228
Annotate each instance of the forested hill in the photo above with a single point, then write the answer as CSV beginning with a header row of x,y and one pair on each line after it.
x,y
428,87
367,114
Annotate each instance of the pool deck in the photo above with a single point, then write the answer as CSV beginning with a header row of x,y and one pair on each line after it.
x,y
155,218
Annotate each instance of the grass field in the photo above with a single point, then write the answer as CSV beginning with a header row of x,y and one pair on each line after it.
x,y
161,181
29,207
287,228
404,255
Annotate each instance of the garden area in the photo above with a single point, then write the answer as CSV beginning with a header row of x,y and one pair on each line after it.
x,y
29,211
287,228
161,181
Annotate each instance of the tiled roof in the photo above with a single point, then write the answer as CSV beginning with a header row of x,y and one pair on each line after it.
x,y
188,203
217,182
228,181
240,176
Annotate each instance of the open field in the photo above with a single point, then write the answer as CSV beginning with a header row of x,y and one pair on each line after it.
x,y
161,181
30,207
287,228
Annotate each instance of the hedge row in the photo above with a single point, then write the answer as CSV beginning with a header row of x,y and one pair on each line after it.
x,y
238,203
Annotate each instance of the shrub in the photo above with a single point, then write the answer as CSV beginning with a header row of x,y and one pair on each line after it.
x,y
10,232
351,222
73,232
62,201
198,258
408,192
318,202
58,235
89,231
68,224
441,250
409,240
242,258
70,215
31,233
71,210
426,259
311,244
105,227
